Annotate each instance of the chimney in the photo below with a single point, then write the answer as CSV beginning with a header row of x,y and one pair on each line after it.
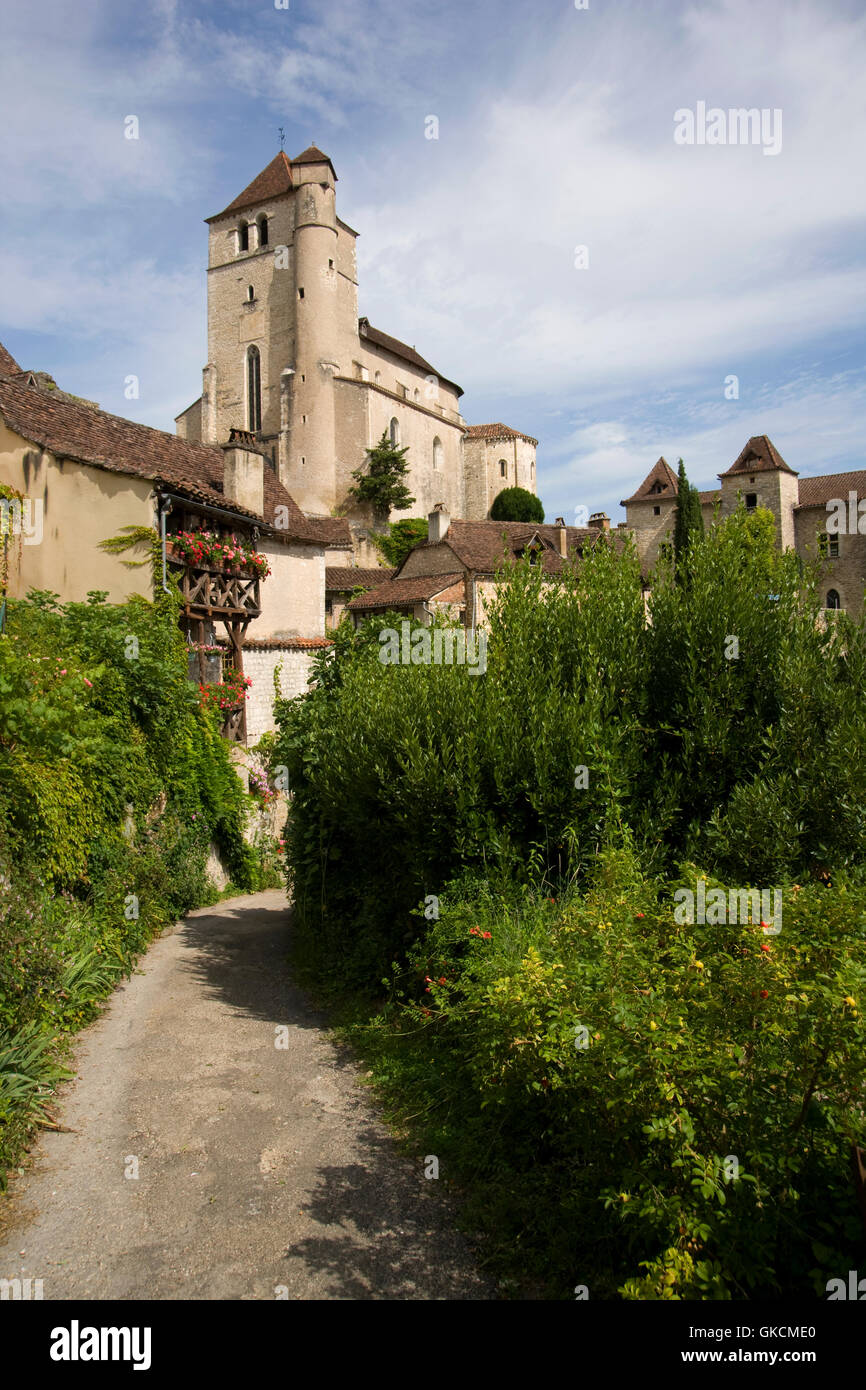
x,y
438,522
243,471
600,520
561,536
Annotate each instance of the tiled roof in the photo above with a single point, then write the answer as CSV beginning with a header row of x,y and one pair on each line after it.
x,y
313,155
343,578
274,180
760,455
303,644
8,365
330,530
711,496
398,349
80,432
660,473
401,591
497,431
817,492
482,545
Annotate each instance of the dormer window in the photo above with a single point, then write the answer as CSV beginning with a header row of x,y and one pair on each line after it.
x,y
263,231
244,236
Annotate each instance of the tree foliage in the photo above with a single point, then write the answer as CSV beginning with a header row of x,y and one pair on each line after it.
x,y
403,536
517,504
689,520
381,482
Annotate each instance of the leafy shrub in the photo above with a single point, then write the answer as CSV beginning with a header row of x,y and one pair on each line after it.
x,y
598,759
654,1110
516,504
113,784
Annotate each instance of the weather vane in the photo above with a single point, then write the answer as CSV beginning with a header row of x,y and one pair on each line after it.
x,y
282,137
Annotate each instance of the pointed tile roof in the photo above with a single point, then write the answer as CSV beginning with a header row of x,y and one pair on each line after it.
x,y
8,365
313,155
759,456
661,481
272,182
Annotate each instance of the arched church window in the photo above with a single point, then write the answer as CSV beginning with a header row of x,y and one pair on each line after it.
x,y
251,294
833,599
394,431
244,237
254,389
263,231
503,468
438,453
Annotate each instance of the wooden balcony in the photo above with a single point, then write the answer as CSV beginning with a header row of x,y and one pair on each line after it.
x,y
217,593
234,723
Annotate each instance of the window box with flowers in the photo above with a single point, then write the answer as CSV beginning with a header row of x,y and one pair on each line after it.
x,y
205,550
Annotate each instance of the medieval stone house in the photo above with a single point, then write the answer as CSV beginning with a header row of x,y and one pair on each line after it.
x,y
803,511
453,574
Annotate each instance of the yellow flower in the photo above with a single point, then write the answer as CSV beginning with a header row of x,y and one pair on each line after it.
x,y
850,1001
653,1025
699,965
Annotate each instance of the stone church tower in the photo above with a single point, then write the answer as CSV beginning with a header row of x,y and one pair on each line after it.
x,y
290,361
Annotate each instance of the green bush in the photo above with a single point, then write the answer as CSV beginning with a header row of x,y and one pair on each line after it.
x,y
113,784
653,1110
516,504
598,759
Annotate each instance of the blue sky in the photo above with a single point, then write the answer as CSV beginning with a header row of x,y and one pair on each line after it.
x,y
556,130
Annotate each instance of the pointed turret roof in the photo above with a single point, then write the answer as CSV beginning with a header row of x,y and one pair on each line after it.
x,y
313,155
274,180
759,456
661,481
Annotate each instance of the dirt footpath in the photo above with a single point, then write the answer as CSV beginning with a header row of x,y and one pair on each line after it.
x,y
263,1171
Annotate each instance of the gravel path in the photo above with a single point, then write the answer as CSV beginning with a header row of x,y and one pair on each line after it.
x,y
263,1172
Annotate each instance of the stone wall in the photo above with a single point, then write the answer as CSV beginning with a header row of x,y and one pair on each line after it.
x,y
261,660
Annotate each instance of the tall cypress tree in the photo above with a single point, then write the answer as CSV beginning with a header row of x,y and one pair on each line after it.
x,y
689,519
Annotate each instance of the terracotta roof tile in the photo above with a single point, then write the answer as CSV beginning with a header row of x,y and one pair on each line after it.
x,y
303,644
401,591
817,492
329,530
274,180
8,365
398,349
482,545
88,435
760,455
660,483
313,155
497,431
344,578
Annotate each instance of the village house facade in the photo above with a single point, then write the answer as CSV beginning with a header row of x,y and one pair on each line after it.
x,y
88,476
454,573
802,509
